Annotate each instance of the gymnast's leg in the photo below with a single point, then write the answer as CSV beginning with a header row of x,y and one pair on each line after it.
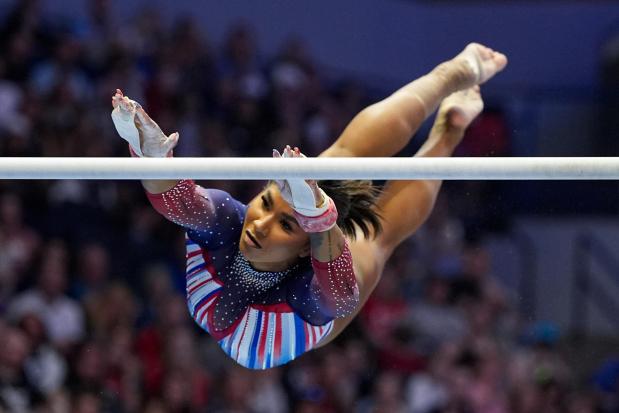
x,y
418,197
405,205
384,128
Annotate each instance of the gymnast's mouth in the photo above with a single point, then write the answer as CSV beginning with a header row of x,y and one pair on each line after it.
x,y
253,240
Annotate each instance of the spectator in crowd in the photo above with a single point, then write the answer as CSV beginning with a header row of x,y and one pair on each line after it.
x,y
92,271
62,316
45,368
434,319
18,245
183,363
17,394
386,396
384,318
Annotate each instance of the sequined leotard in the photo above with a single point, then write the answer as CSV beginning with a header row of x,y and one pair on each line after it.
x,y
260,319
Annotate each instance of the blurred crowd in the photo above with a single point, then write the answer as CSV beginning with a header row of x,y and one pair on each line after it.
x,y
92,311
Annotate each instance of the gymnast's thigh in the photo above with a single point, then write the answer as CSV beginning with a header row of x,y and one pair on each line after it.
x,y
336,151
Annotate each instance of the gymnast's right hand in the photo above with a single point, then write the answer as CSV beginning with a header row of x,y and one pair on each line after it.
x,y
136,127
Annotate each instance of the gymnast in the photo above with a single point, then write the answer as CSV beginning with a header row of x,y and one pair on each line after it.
x,y
288,272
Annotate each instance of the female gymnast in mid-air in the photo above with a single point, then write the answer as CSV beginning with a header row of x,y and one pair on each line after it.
x,y
288,272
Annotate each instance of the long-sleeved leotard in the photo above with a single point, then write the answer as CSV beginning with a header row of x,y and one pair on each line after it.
x,y
260,319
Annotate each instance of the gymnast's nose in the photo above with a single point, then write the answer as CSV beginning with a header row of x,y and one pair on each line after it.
x,y
262,225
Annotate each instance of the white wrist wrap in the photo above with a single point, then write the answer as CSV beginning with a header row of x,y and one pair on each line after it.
x,y
310,217
303,198
125,126
319,223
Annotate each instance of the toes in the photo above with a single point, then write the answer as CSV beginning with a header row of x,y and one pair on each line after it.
x,y
484,52
491,63
487,52
500,60
479,49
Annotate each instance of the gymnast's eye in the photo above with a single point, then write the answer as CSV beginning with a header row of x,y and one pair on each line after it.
x,y
286,225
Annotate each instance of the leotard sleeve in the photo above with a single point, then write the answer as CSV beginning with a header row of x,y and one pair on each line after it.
x,y
331,293
205,213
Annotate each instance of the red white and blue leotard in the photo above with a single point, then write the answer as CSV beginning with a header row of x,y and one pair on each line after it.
x,y
260,319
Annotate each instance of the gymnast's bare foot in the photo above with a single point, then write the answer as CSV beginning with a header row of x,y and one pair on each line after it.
x,y
461,108
484,62
475,65
456,113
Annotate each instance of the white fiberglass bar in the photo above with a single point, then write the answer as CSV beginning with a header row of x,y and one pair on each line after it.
x,y
314,168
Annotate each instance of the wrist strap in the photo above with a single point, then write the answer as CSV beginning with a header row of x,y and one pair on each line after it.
x,y
125,126
319,223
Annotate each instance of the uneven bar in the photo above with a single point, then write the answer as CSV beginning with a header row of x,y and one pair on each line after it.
x,y
540,168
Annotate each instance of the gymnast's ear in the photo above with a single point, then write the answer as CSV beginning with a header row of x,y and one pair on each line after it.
x,y
305,250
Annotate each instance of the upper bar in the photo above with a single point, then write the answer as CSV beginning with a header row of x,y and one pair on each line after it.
x,y
312,168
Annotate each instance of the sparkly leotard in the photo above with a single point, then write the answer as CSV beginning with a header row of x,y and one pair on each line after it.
x,y
260,319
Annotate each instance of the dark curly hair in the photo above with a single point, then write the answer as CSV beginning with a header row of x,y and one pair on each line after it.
x,y
356,203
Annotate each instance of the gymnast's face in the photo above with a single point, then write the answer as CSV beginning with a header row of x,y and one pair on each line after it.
x,y
272,239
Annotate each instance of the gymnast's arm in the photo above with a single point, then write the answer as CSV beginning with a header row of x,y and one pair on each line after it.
x,y
186,204
144,136
332,291
158,186
334,285
180,201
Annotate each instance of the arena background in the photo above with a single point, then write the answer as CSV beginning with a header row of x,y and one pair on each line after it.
x,y
503,302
